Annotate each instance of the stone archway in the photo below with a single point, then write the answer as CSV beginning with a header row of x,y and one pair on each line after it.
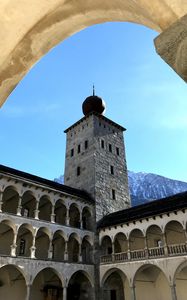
x,y
12,283
180,279
80,287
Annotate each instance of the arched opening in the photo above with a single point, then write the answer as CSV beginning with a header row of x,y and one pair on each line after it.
x,y
87,251
45,208
87,219
60,212
115,286
6,237
47,285
79,287
120,247
42,243
106,245
155,242
10,200
175,238
74,216
28,205
73,248
150,280
13,285
58,246
137,244
181,281
24,241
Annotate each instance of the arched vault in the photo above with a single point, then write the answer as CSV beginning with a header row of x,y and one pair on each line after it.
x,y
29,29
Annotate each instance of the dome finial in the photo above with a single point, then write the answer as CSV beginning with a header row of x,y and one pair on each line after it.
x,y
93,90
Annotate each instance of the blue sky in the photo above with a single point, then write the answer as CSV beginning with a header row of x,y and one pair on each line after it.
x,y
141,91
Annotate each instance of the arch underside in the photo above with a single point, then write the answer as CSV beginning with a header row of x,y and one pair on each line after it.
x,y
29,31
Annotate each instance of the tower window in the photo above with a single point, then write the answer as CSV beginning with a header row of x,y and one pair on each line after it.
x,y
86,144
112,170
117,150
110,147
102,144
72,152
79,148
78,171
113,194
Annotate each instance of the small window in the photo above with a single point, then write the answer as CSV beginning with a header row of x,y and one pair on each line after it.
x,y
117,150
113,194
110,147
112,170
78,171
22,247
102,144
72,152
79,148
86,144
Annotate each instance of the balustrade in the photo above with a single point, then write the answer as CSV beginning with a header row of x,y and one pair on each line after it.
x,y
177,249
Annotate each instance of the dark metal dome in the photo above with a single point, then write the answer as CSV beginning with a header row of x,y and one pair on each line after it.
x,y
93,104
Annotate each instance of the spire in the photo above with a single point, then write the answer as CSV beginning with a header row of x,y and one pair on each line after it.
x,y
93,90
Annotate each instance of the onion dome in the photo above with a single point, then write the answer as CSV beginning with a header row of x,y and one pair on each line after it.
x,y
93,104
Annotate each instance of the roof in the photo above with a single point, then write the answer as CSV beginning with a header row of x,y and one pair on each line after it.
x,y
153,208
48,183
98,115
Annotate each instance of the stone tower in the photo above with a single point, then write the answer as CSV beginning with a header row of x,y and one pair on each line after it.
x,y
95,158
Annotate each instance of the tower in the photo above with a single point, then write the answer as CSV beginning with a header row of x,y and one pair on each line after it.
x,y
95,158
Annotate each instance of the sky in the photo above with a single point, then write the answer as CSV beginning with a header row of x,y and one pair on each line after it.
x,y
141,91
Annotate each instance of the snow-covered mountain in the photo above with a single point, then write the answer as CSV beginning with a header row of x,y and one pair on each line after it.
x,y
145,187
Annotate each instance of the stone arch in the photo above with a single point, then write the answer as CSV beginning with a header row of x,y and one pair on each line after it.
x,y
80,286
24,240
120,243
106,245
74,215
180,281
87,222
45,208
87,250
10,200
60,212
43,237
154,236
136,240
46,283
174,233
6,237
149,280
73,248
115,285
58,242
13,283
28,204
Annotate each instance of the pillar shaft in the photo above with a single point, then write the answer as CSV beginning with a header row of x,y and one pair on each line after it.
x,y
173,292
133,293
65,293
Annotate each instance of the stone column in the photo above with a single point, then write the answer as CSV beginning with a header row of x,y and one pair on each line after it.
x,y
113,252
133,292
128,249
65,293
146,247
80,253
33,247
66,251
173,292
1,200
36,211
53,214
165,244
28,292
14,245
50,251
81,223
19,206
67,217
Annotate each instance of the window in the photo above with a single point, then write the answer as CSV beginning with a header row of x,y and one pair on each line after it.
x,y
117,150
72,152
113,194
22,247
112,170
110,147
78,171
102,144
79,148
86,144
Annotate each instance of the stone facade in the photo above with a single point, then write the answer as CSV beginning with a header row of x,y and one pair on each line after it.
x,y
96,162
